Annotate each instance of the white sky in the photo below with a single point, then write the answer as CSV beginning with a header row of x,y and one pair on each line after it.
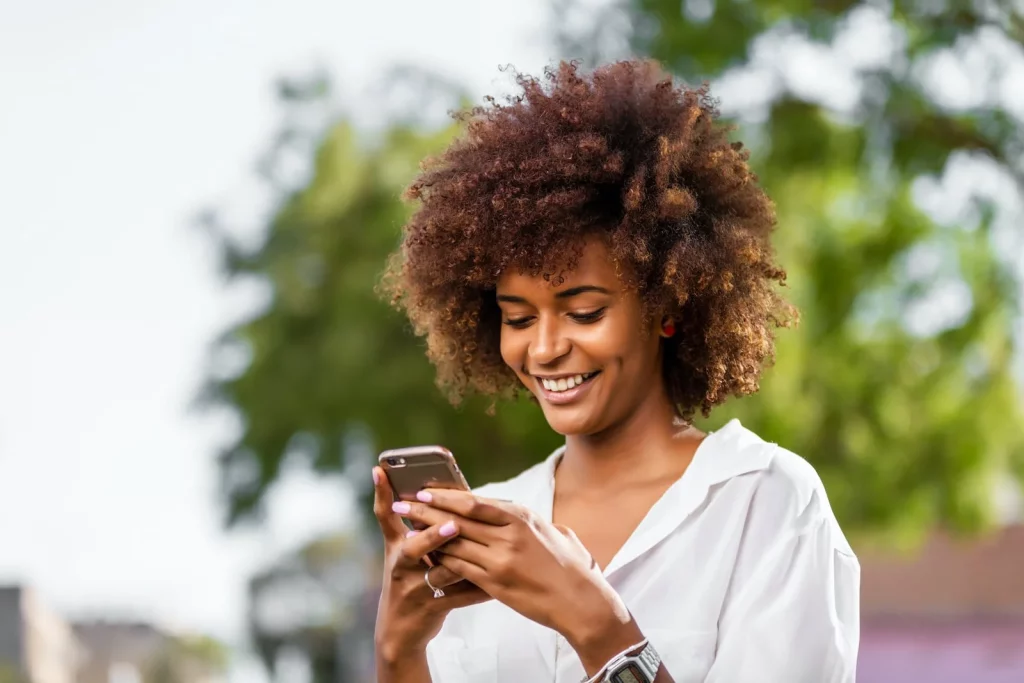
x,y
118,121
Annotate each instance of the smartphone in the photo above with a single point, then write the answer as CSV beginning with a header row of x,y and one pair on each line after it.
x,y
410,470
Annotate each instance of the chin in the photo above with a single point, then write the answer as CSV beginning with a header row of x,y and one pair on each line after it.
x,y
578,423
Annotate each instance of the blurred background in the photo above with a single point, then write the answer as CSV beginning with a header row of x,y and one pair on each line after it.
x,y
196,199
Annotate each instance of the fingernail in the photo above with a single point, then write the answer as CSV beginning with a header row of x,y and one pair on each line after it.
x,y
376,477
411,533
401,507
424,496
447,529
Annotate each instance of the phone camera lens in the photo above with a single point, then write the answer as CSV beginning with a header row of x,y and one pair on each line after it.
x,y
392,461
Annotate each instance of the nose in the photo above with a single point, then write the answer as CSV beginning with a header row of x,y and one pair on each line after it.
x,y
549,343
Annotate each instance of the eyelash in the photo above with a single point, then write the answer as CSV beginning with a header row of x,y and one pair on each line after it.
x,y
591,317
582,318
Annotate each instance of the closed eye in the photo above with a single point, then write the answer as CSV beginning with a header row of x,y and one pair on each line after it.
x,y
591,317
517,323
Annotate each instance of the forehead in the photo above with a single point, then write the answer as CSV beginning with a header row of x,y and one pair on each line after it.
x,y
595,266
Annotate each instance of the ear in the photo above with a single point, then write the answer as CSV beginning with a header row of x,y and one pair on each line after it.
x,y
668,327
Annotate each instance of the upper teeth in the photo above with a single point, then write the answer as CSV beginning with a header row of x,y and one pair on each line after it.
x,y
565,383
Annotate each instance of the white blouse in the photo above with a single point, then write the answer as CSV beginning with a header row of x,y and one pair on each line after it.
x,y
738,573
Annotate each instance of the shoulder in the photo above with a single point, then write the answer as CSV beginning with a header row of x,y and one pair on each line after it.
x,y
791,484
788,496
791,492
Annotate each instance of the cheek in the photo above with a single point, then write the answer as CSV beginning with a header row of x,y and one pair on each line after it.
x,y
512,350
636,352
648,345
618,340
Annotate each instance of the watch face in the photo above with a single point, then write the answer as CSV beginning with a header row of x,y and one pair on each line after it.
x,y
630,674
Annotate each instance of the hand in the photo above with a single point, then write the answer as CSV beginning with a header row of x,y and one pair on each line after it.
x,y
538,569
409,615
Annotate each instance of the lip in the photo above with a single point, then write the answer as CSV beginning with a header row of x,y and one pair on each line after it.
x,y
559,398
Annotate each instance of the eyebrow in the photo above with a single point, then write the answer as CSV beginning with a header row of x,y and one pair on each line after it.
x,y
564,294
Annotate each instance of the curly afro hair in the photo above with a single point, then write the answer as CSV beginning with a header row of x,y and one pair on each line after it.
x,y
621,154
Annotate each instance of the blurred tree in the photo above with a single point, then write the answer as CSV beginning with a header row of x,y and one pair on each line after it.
x,y
11,674
328,366
187,659
319,602
897,385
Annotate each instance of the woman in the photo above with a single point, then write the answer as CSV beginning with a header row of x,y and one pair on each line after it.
x,y
599,243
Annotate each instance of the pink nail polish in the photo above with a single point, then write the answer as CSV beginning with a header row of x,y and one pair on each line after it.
x,y
424,496
401,507
411,533
376,477
447,529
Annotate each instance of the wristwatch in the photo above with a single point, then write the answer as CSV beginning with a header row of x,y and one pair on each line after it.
x,y
641,667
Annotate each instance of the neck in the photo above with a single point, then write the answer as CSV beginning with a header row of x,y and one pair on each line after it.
x,y
650,443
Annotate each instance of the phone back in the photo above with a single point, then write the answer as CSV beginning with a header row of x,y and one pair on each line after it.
x,y
411,469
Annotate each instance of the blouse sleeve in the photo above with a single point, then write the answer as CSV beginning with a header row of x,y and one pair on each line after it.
x,y
794,616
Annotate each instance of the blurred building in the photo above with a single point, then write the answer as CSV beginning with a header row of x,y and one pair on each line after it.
x,y
118,652
36,644
953,612
39,646
138,652
121,652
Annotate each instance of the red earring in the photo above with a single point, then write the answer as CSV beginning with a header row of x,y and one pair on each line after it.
x,y
668,328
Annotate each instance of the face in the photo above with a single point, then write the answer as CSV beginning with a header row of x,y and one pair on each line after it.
x,y
580,346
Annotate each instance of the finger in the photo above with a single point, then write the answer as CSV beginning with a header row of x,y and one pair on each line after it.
x,y
423,515
442,577
466,549
471,572
462,594
465,504
418,544
390,524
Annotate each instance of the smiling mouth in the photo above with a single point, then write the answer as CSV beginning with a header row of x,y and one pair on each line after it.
x,y
557,386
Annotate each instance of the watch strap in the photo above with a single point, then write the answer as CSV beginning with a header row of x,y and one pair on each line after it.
x,y
600,675
647,661
646,658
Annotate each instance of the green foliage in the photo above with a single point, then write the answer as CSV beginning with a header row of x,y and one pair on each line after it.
x,y
328,356
187,658
209,652
906,425
10,674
